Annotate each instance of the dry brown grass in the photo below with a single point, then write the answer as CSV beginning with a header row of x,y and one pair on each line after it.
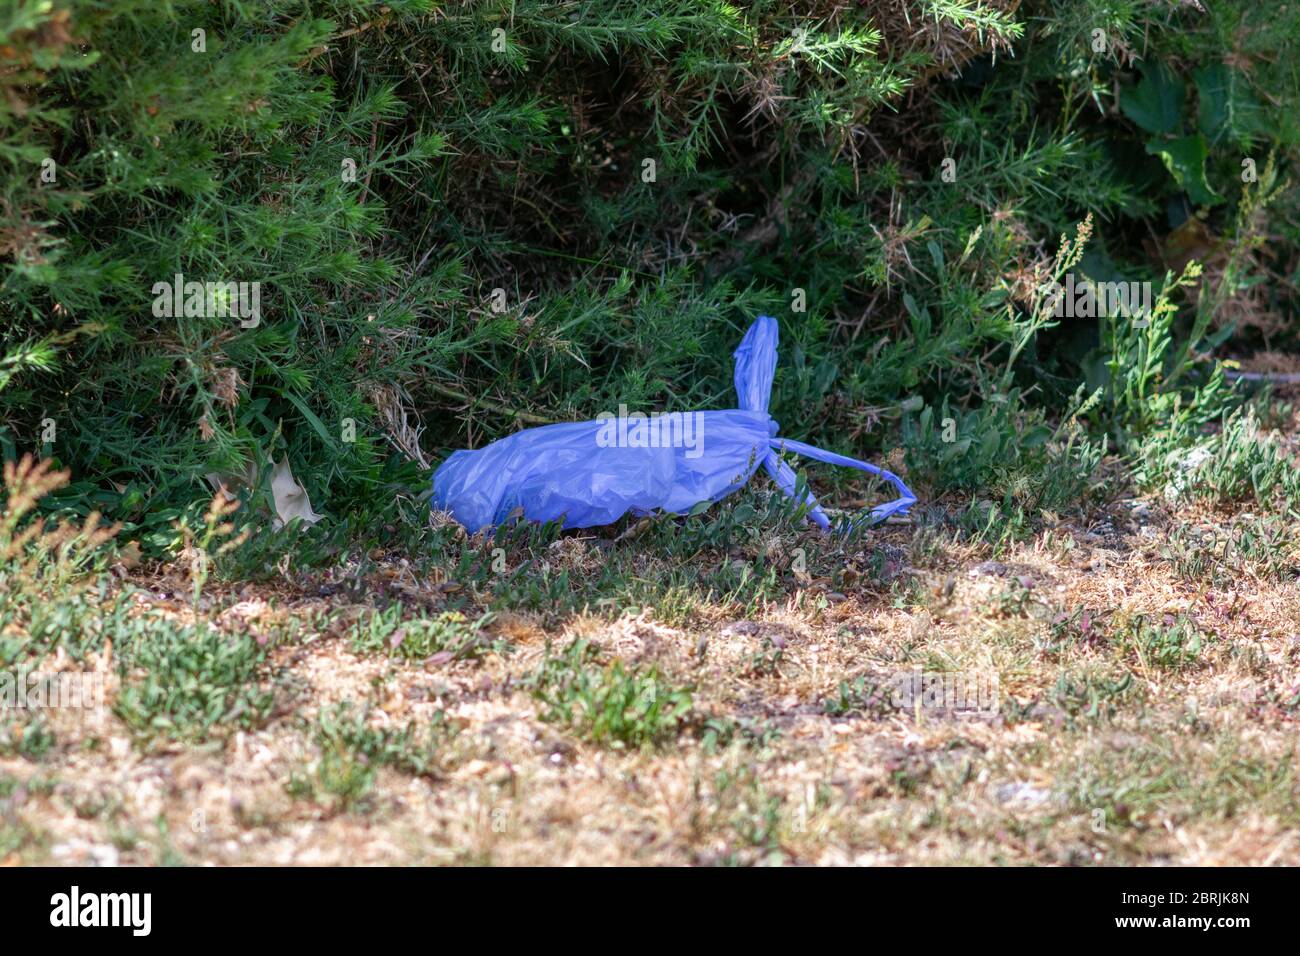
x,y
1190,765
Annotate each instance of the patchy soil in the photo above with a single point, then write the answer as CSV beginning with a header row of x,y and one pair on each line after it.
x,y
1144,710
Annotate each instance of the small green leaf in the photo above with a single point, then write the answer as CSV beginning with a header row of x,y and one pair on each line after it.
x,y
920,318
313,420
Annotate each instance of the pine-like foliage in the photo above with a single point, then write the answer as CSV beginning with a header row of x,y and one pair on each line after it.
x,y
465,217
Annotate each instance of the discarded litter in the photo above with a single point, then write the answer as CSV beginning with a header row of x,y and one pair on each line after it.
x,y
593,473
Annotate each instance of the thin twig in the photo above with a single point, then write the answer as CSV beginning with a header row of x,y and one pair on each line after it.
x,y
1276,378
493,406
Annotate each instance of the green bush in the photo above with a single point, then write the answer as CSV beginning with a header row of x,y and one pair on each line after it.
x,y
469,217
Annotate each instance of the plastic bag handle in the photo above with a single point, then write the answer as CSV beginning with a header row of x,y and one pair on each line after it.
x,y
785,478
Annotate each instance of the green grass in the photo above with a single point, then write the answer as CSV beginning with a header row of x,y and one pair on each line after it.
x,y
410,749
608,704
860,696
352,749
1173,643
1236,463
190,682
446,637
1096,695
1260,545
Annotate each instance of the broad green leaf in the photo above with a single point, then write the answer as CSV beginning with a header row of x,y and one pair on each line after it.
x,y
1036,437
1156,102
956,448
1185,160
1228,109
1215,105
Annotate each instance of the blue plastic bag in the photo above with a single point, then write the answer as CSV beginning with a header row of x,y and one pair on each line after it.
x,y
593,473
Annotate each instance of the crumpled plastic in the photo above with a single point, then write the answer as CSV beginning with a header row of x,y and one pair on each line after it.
x,y
593,473
289,497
